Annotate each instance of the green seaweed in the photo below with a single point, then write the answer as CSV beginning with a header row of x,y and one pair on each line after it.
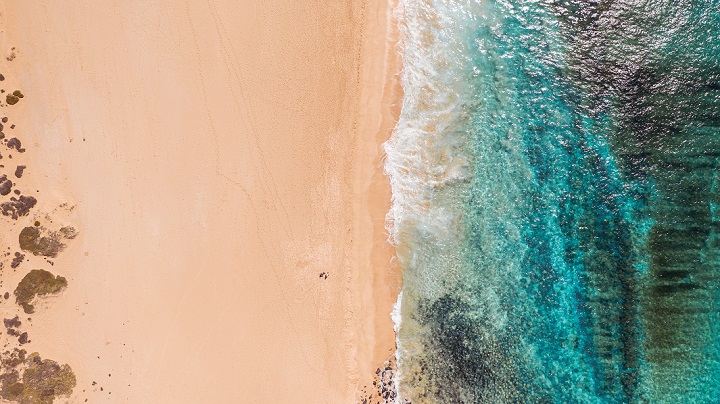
x,y
42,381
31,240
18,94
11,99
12,391
37,282
68,232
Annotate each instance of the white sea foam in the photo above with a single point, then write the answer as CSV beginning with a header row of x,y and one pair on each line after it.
x,y
428,157
397,319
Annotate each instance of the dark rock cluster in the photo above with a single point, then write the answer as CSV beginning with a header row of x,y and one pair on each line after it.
x,y
18,207
382,390
13,98
12,327
14,143
17,260
24,378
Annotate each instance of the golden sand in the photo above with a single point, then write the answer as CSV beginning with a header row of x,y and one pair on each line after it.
x,y
216,158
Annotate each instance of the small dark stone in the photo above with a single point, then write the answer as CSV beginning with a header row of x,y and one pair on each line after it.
x,y
4,119
23,339
6,295
5,185
17,260
19,171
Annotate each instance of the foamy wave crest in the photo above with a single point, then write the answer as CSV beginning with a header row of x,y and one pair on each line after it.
x,y
427,149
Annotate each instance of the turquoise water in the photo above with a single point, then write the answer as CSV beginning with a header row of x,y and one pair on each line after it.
x,y
554,176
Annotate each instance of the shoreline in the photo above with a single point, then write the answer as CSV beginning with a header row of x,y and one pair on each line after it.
x,y
115,135
382,110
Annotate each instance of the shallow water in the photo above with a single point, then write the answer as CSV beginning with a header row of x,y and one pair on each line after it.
x,y
554,178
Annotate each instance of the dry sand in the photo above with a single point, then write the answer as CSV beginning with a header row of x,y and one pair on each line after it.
x,y
216,157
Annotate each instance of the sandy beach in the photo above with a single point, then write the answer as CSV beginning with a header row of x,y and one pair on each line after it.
x,y
220,161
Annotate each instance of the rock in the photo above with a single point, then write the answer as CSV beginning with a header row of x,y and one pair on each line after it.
x,y
18,206
5,185
14,143
12,322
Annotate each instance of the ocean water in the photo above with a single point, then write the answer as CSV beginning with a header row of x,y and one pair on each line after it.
x,y
555,208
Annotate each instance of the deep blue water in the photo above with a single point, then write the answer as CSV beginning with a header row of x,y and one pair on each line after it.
x,y
555,174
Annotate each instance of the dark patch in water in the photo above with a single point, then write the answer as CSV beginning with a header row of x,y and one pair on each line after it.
x,y
656,74
464,365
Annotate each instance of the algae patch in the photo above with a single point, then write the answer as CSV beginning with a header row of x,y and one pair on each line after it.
x,y
32,240
39,241
42,381
37,282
